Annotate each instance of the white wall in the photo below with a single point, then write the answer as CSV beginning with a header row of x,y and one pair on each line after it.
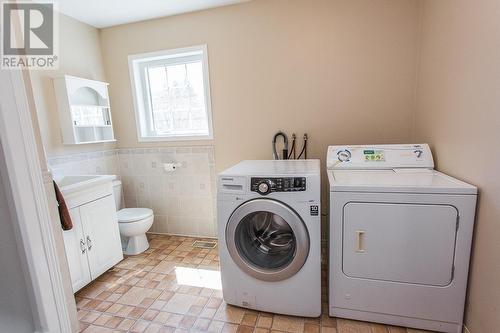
x,y
341,70
458,113
79,55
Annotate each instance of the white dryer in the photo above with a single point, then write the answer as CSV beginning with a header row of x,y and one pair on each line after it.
x,y
269,236
400,237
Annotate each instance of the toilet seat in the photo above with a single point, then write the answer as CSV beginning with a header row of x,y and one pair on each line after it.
x,y
129,215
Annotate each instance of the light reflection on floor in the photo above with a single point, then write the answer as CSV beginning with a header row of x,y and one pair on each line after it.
x,y
198,277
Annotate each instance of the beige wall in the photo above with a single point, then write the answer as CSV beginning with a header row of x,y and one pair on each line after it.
x,y
80,55
459,115
343,71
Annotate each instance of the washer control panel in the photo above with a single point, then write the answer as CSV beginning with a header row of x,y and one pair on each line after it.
x,y
277,184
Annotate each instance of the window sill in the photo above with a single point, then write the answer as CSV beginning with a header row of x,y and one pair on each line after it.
x,y
175,138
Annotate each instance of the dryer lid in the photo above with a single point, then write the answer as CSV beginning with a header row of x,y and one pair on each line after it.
x,y
397,181
128,215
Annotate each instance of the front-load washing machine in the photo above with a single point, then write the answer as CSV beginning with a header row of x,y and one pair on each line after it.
x,y
269,236
400,237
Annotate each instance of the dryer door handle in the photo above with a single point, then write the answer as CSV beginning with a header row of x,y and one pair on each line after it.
x,y
360,244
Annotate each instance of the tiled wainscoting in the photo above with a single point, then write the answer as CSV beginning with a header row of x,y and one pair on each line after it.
x,y
94,163
183,201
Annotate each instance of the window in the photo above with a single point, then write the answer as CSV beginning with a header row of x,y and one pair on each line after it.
x,y
172,94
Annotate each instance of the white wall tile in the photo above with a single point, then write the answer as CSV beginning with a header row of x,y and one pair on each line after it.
x,y
183,201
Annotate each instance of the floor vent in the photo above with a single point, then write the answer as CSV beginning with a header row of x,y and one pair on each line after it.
x,y
205,244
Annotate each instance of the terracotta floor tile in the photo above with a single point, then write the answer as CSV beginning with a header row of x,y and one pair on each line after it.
x,y
82,327
150,314
158,304
230,314
244,329
288,324
167,329
102,320
311,328
201,301
153,328
326,329
136,312
114,322
97,329
161,317
114,308
260,330
249,320
90,317
140,326
229,328
378,328
195,310
81,313
265,321
347,326
215,326
180,303
187,322
395,329
124,310
113,297
102,296
328,321
142,294
174,320
134,296
164,267
201,324
147,302
214,302
126,324
103,306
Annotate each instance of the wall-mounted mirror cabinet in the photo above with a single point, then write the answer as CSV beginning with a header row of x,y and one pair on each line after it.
x,y
84,111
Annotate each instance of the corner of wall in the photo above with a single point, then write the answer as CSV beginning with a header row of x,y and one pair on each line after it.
x,y
420,9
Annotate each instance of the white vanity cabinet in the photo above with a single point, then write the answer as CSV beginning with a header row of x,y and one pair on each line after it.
x,y
93,245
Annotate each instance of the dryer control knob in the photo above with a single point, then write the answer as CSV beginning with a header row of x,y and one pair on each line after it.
x,y
344,155
264,187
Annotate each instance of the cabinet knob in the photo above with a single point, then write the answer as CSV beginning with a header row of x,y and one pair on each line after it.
x,y
89,242
82,246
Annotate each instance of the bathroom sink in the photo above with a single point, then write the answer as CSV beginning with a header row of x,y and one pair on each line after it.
x,y
79,188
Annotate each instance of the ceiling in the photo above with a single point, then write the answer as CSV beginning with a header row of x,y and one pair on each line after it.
x,y
106,13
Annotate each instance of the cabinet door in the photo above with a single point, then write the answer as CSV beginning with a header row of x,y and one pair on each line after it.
x,y
76,252
102,235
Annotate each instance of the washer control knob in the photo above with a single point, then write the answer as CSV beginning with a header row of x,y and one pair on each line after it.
x,y
264,187
344,155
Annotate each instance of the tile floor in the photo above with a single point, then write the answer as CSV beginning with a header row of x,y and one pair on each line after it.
x,y
174,287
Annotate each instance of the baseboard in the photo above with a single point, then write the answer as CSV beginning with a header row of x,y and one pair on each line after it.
x,y
180,235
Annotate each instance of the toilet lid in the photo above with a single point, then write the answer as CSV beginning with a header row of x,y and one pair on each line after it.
x,y
127,215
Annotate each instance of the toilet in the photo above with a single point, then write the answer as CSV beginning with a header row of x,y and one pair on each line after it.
x,y
133,224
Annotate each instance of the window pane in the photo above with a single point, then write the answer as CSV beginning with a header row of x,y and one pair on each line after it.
x,y
177,99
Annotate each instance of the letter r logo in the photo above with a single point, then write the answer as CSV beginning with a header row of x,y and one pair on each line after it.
x,y
36,21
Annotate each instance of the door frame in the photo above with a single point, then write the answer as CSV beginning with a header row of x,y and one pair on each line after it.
x,y
29,206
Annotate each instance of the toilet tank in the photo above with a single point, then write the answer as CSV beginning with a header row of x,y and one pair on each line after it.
x,y
117,192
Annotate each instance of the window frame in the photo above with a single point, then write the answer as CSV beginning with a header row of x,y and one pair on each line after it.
x,y
139,86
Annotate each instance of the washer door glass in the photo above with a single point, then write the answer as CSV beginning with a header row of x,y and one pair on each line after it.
x,y
267,239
